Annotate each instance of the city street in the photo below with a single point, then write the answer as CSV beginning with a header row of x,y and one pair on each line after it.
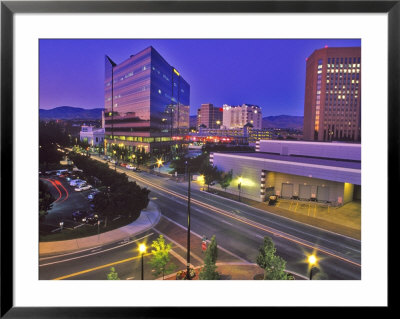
x,y
239,230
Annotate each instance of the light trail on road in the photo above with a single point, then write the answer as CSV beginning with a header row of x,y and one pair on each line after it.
x,y
54,184
66,192
242,219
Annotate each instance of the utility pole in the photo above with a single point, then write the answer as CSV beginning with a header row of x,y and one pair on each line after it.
x,y
188,231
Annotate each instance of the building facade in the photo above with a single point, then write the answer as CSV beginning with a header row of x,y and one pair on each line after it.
x,y
91,135
310,171
241,136
239,116
209,116
332,105
147,103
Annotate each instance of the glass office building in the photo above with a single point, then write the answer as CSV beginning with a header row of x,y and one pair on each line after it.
x,y
146,103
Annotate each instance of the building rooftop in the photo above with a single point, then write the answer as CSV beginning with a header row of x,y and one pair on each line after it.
x,y
301,159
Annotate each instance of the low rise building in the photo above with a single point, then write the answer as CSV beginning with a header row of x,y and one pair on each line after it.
x,y
317,171
91,135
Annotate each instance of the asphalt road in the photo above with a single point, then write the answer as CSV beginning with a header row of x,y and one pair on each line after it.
x,y
239,230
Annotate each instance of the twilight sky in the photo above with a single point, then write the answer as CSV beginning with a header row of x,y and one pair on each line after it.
x,y
268,73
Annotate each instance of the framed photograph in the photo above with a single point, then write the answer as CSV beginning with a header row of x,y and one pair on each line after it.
x,y
176,155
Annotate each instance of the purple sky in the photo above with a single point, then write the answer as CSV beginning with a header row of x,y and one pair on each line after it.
x,y
268,73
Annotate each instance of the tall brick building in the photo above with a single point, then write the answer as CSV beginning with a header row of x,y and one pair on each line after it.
x,y
332,104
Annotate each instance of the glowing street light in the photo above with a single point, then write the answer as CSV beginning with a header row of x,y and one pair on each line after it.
x,y
142,249
159,163
312,261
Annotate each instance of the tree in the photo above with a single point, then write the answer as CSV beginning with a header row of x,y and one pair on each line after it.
x,y
160,257
211,174
273,265
225,179
112,275
104,204
209,271
45,199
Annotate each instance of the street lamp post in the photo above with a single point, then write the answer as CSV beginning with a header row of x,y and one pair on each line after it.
x,y
142,249
188,222
312,260
115,159
240,186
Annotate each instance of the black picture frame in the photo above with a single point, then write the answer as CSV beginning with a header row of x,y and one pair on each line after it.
x,y
9,8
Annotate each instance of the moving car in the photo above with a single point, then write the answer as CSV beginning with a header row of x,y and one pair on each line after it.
x,y
83,187
123,164
130,167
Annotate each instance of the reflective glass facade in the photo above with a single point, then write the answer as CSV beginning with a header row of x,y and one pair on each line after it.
x,y
146,101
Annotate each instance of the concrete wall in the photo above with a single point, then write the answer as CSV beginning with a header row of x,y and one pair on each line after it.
x,y
348,193
239,163
347,151
335,188
250,172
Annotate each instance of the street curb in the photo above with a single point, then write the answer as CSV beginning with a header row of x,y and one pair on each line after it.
x,y
150,224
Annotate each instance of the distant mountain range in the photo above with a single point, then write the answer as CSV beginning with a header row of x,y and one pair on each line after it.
x,y
283,121
70,113
76,113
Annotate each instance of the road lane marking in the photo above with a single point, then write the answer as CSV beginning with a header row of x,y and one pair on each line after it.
x,y
99,252
224,221
219,247
99,267
180,258
180,246
67,254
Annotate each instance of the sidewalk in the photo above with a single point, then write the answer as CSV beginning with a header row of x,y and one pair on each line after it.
x,y
234,271
147,219
344,220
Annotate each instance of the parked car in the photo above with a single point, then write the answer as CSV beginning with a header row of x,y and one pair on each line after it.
x,y
130,167
75,182
92,218
71,177
79,215
92,194
123,164
83,187
61,171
